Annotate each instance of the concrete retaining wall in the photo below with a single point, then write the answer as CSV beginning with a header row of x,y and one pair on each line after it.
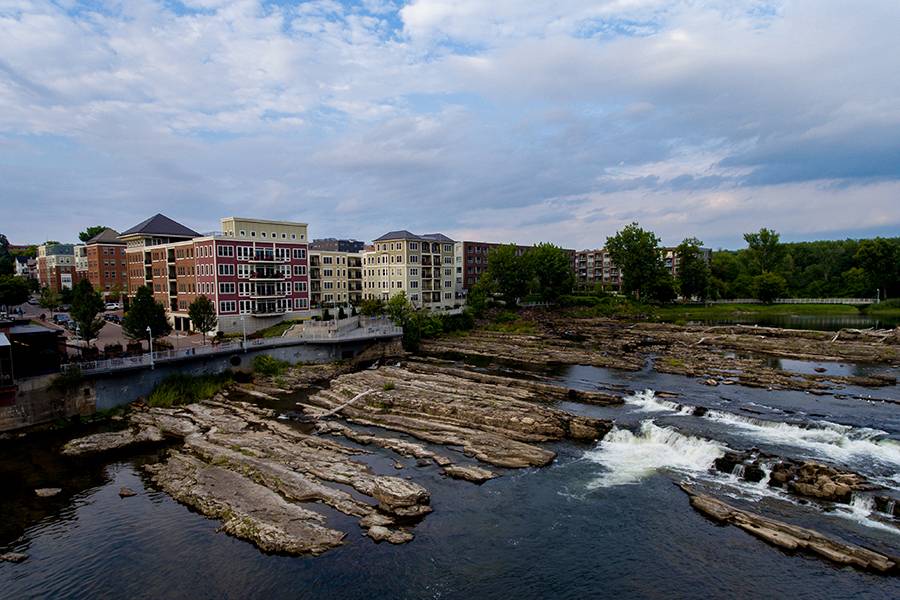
x,y
37,402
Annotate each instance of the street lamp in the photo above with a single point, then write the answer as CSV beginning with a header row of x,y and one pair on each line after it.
x,y
150,337
244,330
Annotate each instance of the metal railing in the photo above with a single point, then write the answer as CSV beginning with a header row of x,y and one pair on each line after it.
x,y
377,330
798,301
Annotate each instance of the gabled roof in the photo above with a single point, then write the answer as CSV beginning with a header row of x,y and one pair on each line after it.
x,y
160,224
403,234
107,236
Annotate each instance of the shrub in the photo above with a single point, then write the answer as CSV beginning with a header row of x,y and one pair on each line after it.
x,y
389,386
269,365
67,381
185,389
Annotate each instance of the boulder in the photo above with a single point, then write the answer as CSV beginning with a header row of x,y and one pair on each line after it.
x,y
47,492
15,557
126,492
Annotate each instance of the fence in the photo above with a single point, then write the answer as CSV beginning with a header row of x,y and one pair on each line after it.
x,y
798,301
378,329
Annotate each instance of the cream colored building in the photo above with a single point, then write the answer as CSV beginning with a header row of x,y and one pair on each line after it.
x,y
335,278
421,266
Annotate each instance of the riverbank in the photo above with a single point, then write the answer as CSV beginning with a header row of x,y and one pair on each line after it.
x,y
462,453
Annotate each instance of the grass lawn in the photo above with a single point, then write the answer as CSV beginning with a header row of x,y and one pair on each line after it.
x,y
273,331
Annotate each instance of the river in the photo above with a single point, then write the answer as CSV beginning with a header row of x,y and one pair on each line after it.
x,y
603,520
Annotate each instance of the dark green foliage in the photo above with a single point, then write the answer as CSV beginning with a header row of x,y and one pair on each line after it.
x,y
880,258
766,254
769,286
550,269
636,252
6,259
509,272
693,272
91,232
342,314
145,312
86,308
13,290
186,389
269,365
371,307
67,381
326,315
49,299
203,315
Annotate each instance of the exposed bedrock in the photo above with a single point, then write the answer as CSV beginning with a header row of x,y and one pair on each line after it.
x,y
792,538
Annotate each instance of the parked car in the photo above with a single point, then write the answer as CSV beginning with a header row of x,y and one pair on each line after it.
x,y
61,319
112,306
33,301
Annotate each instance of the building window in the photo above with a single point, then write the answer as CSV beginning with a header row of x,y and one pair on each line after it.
x,y
262,234
299,270
226,288
327,273
244,252
301,303
293,236
225,250
299,286
227,306
244,288
243,233
245,306
226,269
299,253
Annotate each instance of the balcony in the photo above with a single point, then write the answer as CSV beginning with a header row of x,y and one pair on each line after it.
x,y
263,257
267,275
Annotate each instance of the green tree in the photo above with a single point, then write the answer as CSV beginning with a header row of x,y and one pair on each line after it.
x,y
879,258
662,288
769,286
6,260
202,313
13,290
399,308
509,273
636,253
480,294
91,232
49,300
86,306
765,252
550,268
693,272
855,283
371,307
145,312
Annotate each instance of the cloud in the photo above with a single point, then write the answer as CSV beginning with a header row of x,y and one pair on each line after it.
x,y
510,120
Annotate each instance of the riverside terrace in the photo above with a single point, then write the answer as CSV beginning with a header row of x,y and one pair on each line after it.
x,y
353,329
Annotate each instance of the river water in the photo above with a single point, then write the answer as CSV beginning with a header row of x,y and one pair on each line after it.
x,y
603,520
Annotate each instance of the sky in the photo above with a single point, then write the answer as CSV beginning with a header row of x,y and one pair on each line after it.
x,y
502,120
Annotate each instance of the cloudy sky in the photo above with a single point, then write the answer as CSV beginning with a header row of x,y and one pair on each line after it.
x,y
502,120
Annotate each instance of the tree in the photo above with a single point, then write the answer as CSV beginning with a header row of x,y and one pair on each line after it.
x,y
86,306
693,272
6,259
371,307
765,251
550,270
769,286
145,312
49,299
636,253
342,314
398,309
480,294
115,294
13,290
91,232
879,258
202,313
509,273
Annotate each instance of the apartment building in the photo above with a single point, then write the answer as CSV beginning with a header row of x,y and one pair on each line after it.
x,y
421,266
472,260
105,262
336,245
81,262
56,266
254,271
596,267
335,278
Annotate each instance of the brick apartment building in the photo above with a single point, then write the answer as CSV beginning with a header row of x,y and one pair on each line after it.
x,y
254,271
336,245
593,267
106,268
472,261
56,266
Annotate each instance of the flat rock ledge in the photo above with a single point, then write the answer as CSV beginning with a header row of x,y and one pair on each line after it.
x,y
13,557
792,538
112,440
497,420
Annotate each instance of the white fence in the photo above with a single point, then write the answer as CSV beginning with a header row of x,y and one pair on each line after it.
x,y
379,329
798,301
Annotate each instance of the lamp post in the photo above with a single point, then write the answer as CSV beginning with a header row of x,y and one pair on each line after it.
x,y
150,337
244,330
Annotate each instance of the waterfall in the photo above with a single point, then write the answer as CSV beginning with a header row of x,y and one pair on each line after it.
x,y
739,470
891,505
629,457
